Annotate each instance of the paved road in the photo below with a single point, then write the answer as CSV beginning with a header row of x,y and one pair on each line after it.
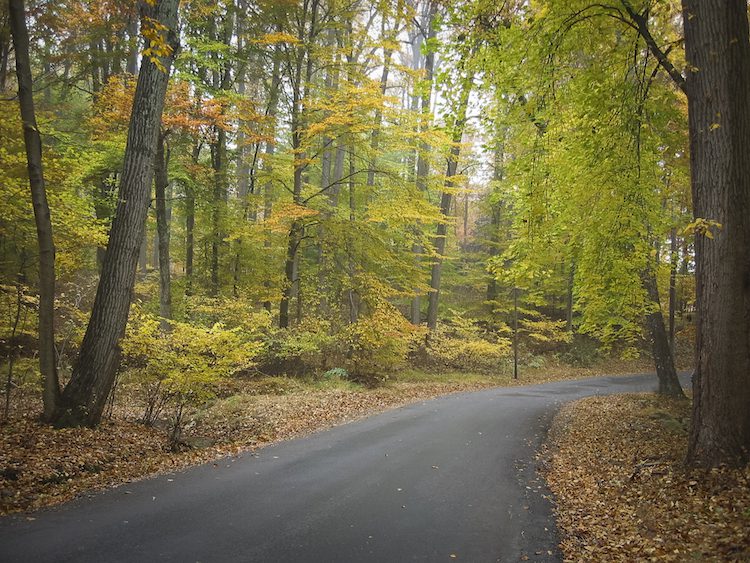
x,y
452,479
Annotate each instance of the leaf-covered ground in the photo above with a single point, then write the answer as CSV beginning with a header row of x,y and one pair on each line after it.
x,y
615,465
40,466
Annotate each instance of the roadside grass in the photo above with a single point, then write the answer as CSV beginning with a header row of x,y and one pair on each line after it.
x,y
616,467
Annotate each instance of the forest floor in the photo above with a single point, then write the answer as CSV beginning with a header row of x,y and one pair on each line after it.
x,y
40,466
615,466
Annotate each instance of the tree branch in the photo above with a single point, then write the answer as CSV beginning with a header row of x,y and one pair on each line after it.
x,y
642,25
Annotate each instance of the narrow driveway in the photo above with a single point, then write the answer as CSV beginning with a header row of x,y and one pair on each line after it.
x,y
451,479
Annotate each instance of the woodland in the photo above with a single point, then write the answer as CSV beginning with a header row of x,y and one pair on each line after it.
x,y
197,192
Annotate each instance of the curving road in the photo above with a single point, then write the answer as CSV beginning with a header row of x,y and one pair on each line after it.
x,y
451,479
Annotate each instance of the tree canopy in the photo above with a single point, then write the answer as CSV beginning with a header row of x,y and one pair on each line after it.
x,y
350,184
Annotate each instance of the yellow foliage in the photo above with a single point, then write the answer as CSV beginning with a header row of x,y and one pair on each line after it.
x,y
471,354
702,227
158,46
187,360
285,214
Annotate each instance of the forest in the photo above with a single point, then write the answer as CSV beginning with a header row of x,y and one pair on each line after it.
x,y
198,192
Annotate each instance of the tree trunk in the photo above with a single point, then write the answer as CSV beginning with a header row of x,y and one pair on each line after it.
x,y
219,162
83,400
446,200
142,257
717,46
103,211
569,300
496,217
669,385
375,134
190,225
423,163
161,181
672,285
33,142
132,64
352,296
304,60
440,239
5,41
290,271
270,148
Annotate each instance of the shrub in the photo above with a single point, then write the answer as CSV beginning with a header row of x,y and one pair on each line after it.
x,y
298,352
335,373
378,342
472,354
583,352
181,367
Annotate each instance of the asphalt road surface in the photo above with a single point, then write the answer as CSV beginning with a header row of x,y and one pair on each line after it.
x,y
451,479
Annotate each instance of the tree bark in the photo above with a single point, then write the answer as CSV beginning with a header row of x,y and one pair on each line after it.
x,y
569,297
669,385
190,225
5,41
446,200
496,210
672,286
270,148
423,163
131,66
33,142
304,59
161,181
219,164
717,48
84,398
375,134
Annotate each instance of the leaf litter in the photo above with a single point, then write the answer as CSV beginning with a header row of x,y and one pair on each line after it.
x,y
41,466
623,493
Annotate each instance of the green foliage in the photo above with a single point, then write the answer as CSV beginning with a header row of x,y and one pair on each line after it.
x,y
181,367
462,348
335,373
379,341
572,172
299,352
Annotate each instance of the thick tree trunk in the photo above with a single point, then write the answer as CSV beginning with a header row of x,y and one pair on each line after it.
x,y
161,181
33,142
717,46
83,400
270,148
669,385
353,300
143,257
375,135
